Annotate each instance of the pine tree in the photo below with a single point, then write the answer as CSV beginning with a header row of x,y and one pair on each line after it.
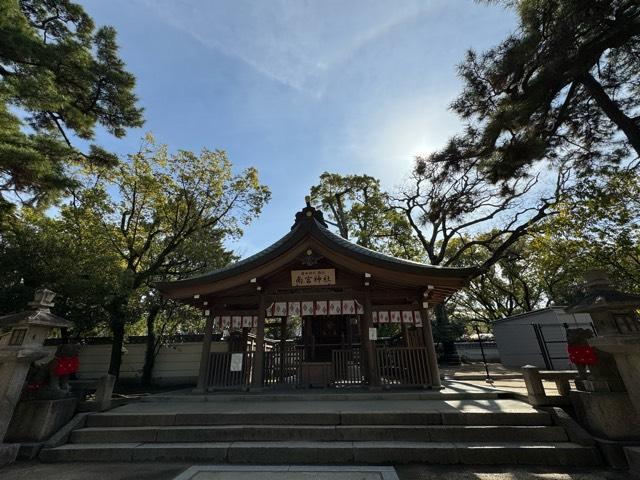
x,y
564,87
60,77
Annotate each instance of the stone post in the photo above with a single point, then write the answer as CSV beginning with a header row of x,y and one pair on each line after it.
x,y
104,392
535,387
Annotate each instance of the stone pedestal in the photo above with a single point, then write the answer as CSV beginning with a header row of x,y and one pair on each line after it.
x,y
8,453
14,366
37,420
607,415
626,352
633,458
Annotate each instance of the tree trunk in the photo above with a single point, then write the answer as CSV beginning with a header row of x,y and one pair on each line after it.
x,y
450,354
150,352
117,328
628,125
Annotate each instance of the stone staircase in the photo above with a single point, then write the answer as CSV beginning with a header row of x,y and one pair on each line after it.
x,y
328,437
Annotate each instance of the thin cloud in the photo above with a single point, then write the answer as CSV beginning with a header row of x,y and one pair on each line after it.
x,y
298,44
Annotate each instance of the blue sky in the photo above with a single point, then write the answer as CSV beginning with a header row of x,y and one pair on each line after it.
x,y
299,87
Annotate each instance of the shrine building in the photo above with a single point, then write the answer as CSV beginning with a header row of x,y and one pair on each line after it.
x,y
338,294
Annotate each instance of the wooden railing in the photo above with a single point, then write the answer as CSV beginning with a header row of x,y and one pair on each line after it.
x,y
402,366
221,375
395,366
282,367
346,367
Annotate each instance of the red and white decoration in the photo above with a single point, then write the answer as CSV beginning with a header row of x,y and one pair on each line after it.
x,y
236,322
397,316
319,308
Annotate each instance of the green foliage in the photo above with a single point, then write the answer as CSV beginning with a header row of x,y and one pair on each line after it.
x,y
446,209
36,251
156,216
59,76
514,284
361,211
169,219
168,210
293,328
597,229
563,87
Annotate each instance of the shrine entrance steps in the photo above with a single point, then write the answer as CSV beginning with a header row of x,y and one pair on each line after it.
x,y
348,431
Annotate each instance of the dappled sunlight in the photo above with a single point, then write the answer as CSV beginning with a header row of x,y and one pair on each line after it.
x,y
470,472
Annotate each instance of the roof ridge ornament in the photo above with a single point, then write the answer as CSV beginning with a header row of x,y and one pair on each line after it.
x,y
309,213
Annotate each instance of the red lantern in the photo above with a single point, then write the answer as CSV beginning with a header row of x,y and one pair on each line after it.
x,y
66,365
582,355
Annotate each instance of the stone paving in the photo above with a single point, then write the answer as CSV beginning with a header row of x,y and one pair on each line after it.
x,y
146,471
288,472
325,406
504,379
169,471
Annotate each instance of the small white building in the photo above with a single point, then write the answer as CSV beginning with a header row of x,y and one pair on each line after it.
x,y
537,338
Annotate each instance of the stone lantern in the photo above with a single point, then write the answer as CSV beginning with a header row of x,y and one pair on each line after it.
x,y
608,402
613,312
20,345
615,315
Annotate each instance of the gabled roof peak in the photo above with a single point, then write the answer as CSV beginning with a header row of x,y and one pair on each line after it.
x,y
311,230
308,214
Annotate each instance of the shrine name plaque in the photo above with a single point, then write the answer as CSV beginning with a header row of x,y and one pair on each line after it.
x,y
313,278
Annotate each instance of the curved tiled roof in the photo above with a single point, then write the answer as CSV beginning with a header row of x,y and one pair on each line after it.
x,y
34,317
310,222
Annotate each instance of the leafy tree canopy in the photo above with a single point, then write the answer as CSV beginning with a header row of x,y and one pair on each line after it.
x,y
598,229
59,77
564,86
156,216
37,250
170,216
360,210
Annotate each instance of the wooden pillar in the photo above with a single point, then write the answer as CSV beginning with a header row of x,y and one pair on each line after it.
x,y
432,357
368,347
306,336
205,356
245,339
283,346
405,335
258,359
